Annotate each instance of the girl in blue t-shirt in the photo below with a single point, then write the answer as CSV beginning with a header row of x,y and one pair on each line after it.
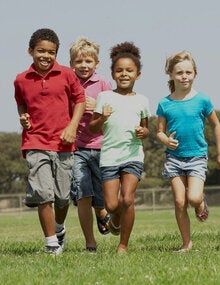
x,y
181,120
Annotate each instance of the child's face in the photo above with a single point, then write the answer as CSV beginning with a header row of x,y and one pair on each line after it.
x,y
183,75
125,73
44,54
84,66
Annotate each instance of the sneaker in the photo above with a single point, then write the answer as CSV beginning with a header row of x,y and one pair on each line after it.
x,y
53,250
61,238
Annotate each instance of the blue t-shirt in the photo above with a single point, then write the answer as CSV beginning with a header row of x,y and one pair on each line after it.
x,y
187,118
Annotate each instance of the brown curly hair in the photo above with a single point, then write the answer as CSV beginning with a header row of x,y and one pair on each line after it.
x,y
125,50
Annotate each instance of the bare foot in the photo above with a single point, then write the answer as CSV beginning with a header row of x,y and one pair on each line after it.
x,y
185,248
202,212
122,249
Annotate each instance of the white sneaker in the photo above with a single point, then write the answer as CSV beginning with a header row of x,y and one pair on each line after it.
x,y
61,237
53,250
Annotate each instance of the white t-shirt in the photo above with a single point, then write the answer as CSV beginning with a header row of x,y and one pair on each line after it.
x,y
119,143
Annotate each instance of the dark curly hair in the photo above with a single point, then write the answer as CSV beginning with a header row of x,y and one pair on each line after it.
x,y
126,50
44,35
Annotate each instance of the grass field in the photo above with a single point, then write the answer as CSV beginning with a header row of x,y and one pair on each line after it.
x,y
150,259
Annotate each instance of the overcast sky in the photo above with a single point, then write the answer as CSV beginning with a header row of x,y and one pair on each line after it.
x,y
159,28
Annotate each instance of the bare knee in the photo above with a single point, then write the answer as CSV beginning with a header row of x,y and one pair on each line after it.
x,y
111,207
127,201
180,204
195,201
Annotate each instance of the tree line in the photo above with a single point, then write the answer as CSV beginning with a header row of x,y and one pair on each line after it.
x,y
14,171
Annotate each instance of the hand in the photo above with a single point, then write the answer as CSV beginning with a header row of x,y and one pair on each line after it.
x,y
90,103
139,132
68,135
172,143
25,121
106,111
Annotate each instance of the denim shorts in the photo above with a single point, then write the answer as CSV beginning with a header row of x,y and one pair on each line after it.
x,y
114,172
49,179
87,177
188,166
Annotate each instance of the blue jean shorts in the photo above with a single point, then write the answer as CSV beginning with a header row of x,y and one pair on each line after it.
x,y
188,166
114,172
49,179
87,177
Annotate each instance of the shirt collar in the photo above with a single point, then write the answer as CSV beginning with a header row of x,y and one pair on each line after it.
x,y
55,68
92,78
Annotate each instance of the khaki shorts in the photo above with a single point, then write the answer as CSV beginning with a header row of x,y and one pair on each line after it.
x,y
49,178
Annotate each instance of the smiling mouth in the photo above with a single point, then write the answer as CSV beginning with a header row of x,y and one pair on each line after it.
x,y
44,63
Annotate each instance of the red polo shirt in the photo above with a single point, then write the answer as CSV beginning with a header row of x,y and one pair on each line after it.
x,y
48,100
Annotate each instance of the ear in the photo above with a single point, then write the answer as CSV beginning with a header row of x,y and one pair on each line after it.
x,y
113,75
170,75
30,51
97,64
138,75
71,64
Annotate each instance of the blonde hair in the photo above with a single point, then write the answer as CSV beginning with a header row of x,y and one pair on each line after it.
x,y
173,60
84,47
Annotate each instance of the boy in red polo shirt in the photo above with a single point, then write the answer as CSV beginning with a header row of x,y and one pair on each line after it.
x,y
45,94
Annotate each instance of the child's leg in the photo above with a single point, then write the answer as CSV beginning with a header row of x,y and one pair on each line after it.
x,y
196,197
128,187
111,190
86,220
195,192
46,217
60,214
178,185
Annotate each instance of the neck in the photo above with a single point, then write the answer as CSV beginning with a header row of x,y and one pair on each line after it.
x,y
125,92
183,94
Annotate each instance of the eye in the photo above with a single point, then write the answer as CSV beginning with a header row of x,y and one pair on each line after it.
x,y
52,52
78,61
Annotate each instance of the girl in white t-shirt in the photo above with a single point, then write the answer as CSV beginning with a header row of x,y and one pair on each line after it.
x,y
122,115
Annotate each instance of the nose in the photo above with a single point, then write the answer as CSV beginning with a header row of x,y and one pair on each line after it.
x,y
123,73
46,54
83,64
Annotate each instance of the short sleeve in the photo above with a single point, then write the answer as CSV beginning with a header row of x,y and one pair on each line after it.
x,y
160,111
99,104
146,110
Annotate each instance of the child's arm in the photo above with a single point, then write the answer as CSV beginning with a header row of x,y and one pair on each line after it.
x,y
24,117
68,135
90,103
142,131
98,120
170,142
213,119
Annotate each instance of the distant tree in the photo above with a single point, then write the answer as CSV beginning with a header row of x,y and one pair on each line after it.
x,y
154,158
13,170
213,176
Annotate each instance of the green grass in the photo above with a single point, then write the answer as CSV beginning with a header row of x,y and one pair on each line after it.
x,y
150,259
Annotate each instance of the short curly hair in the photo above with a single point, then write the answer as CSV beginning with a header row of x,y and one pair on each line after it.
x,y
44,35
126,50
